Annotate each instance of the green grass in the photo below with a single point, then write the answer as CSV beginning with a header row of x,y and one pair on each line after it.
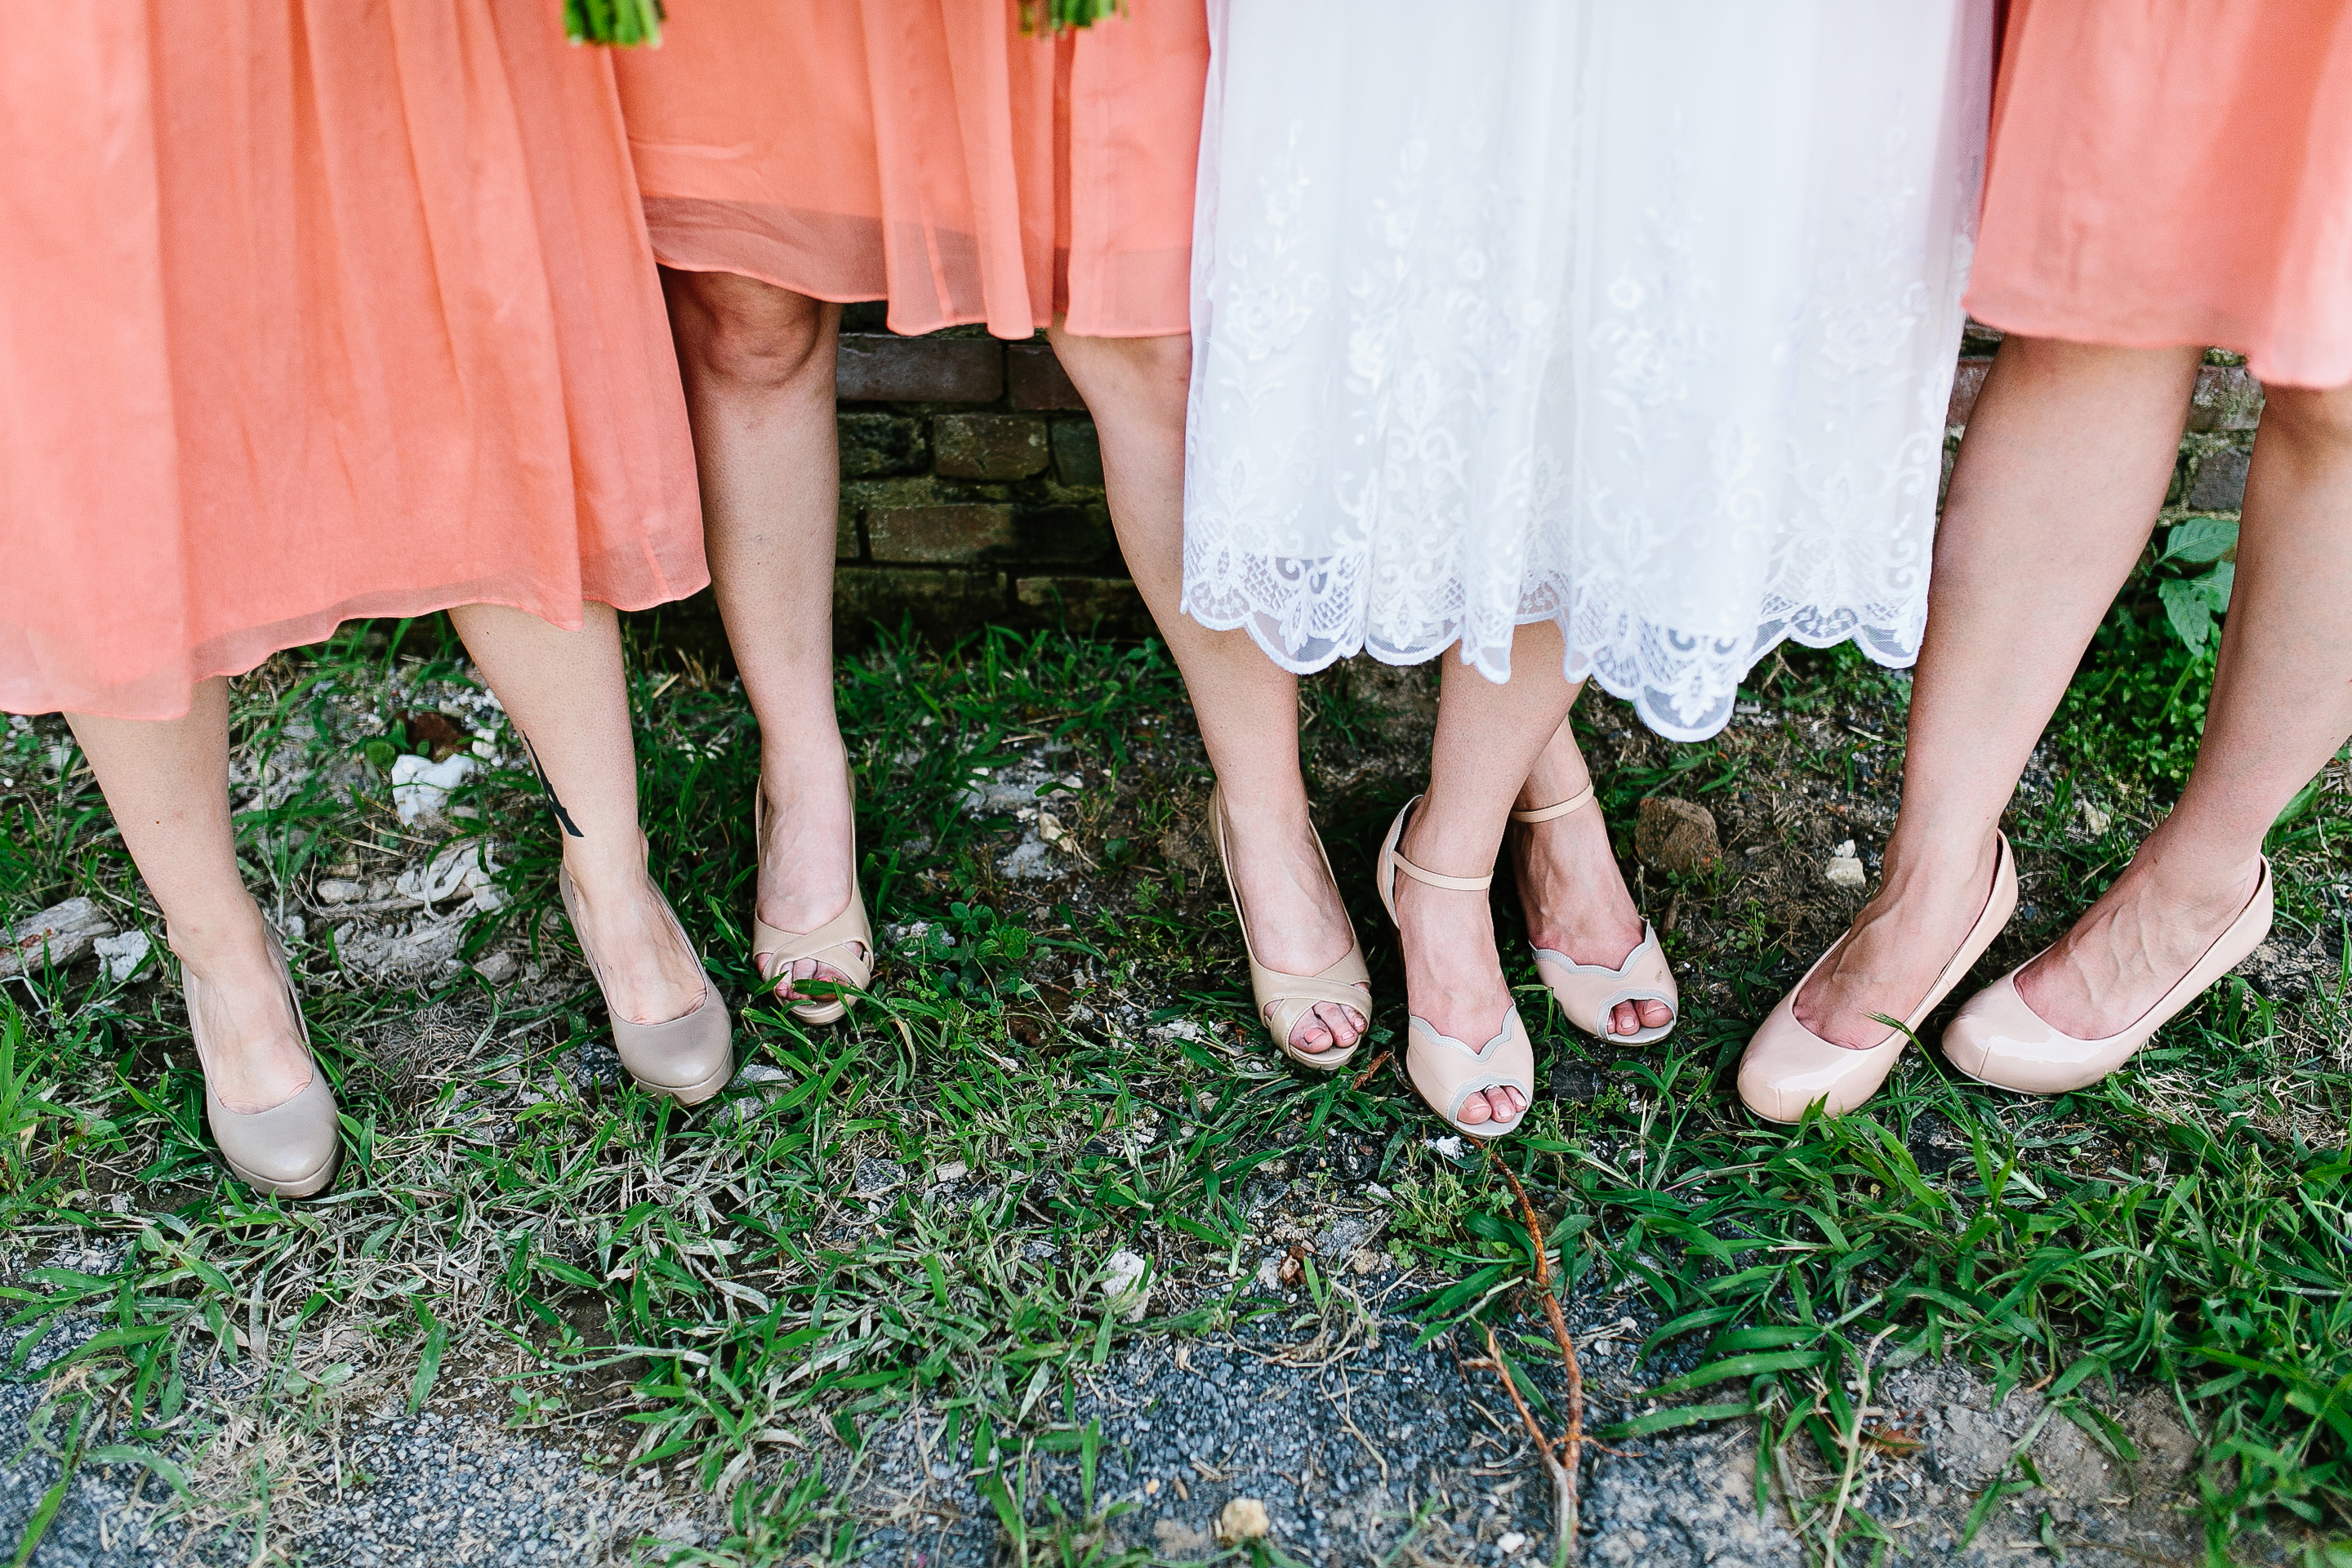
x,y
706,1283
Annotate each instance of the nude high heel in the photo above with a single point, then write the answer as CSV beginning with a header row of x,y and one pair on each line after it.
x,y
689,1057
1787,1067
1998,1039
1588,993
290,1150
1447,1071
1282,999
845,942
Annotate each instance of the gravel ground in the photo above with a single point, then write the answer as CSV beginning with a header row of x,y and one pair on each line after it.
x,y
1358,1447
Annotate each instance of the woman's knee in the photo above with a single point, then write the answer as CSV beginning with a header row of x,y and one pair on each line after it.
x,y
742,332
2318,419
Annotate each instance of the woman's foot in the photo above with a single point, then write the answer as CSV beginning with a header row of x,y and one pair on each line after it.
x,y
807,870
256,1056
1297,921
648,972
2132,947
1574,896
1901,942
1453,974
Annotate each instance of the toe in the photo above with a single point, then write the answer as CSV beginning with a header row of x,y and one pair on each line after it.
x,y
1624,1020
1311,1036
1505,1103
1347,1025
1474,1110
1657,1014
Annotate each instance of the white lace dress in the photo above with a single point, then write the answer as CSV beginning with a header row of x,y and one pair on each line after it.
x,y
1634,315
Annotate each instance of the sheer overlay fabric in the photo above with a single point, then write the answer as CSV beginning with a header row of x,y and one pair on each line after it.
x,y
1637,318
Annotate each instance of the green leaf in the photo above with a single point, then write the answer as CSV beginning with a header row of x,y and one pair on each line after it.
x,y
428,1361
2189,609
2198,540
1676,1415
1740,1366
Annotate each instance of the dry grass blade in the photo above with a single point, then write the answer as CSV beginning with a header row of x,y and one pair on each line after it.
x,y
1563,1478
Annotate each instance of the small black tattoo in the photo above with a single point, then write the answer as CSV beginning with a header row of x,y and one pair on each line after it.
x,y
554,800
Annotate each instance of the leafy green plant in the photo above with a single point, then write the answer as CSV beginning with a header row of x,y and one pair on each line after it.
x,y
2192,598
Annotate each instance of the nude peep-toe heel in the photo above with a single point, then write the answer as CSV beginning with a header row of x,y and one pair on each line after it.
x,y
292,1148
689,1057
845,942
1998,1039
1447,1071
1787,1067
1588,993
1282,998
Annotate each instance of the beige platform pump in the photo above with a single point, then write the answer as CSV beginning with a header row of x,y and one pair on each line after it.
x,y
1588,993
1447,1071
1996,1039
688,1058
845,942
292,1148
1282,999
1787,1067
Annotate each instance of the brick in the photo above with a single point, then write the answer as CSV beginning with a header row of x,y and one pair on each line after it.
x,y
2228,397
1077,452
1968,380
2221,482
939,533
1037,380
1673,835
990,446
1100,605
942,603
1068,535
880,367
876,445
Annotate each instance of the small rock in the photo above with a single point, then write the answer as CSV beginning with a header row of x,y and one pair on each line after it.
x,y
876,1177
1030,861
1244,1519
1050,828
751,1075
124,956
954,1171
1510,1542
420,788
1368,1261
62,934
1844,869
498,968
1675,835
1125,1284
1270,1273
1345,1237
339,891
1178,1538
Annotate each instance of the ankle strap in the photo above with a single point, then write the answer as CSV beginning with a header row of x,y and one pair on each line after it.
x,y
1576,802
1454,884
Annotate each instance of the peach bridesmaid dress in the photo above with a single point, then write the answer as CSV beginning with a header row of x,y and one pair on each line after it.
x,y
313,309
932,153
2176,171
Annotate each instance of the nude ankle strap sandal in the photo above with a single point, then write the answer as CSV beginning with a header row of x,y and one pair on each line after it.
x,y
1588,993
845,942
689,1057
1998,1039
1447,1071
292,1148
1282,998
1787,1067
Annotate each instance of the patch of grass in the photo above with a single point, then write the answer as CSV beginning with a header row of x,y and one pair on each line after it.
x,y
734,1294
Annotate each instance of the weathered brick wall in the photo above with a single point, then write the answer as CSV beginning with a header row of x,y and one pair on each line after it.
x,y
971,486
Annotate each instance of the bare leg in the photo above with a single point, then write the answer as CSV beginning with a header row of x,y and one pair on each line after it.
x,y
166,783
2067,456
1489,738
759,367
2282,705
567,693
1569,885
1247,705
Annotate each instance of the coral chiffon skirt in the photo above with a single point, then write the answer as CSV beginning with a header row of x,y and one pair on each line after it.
x,y
314,309
932,153
2176,171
